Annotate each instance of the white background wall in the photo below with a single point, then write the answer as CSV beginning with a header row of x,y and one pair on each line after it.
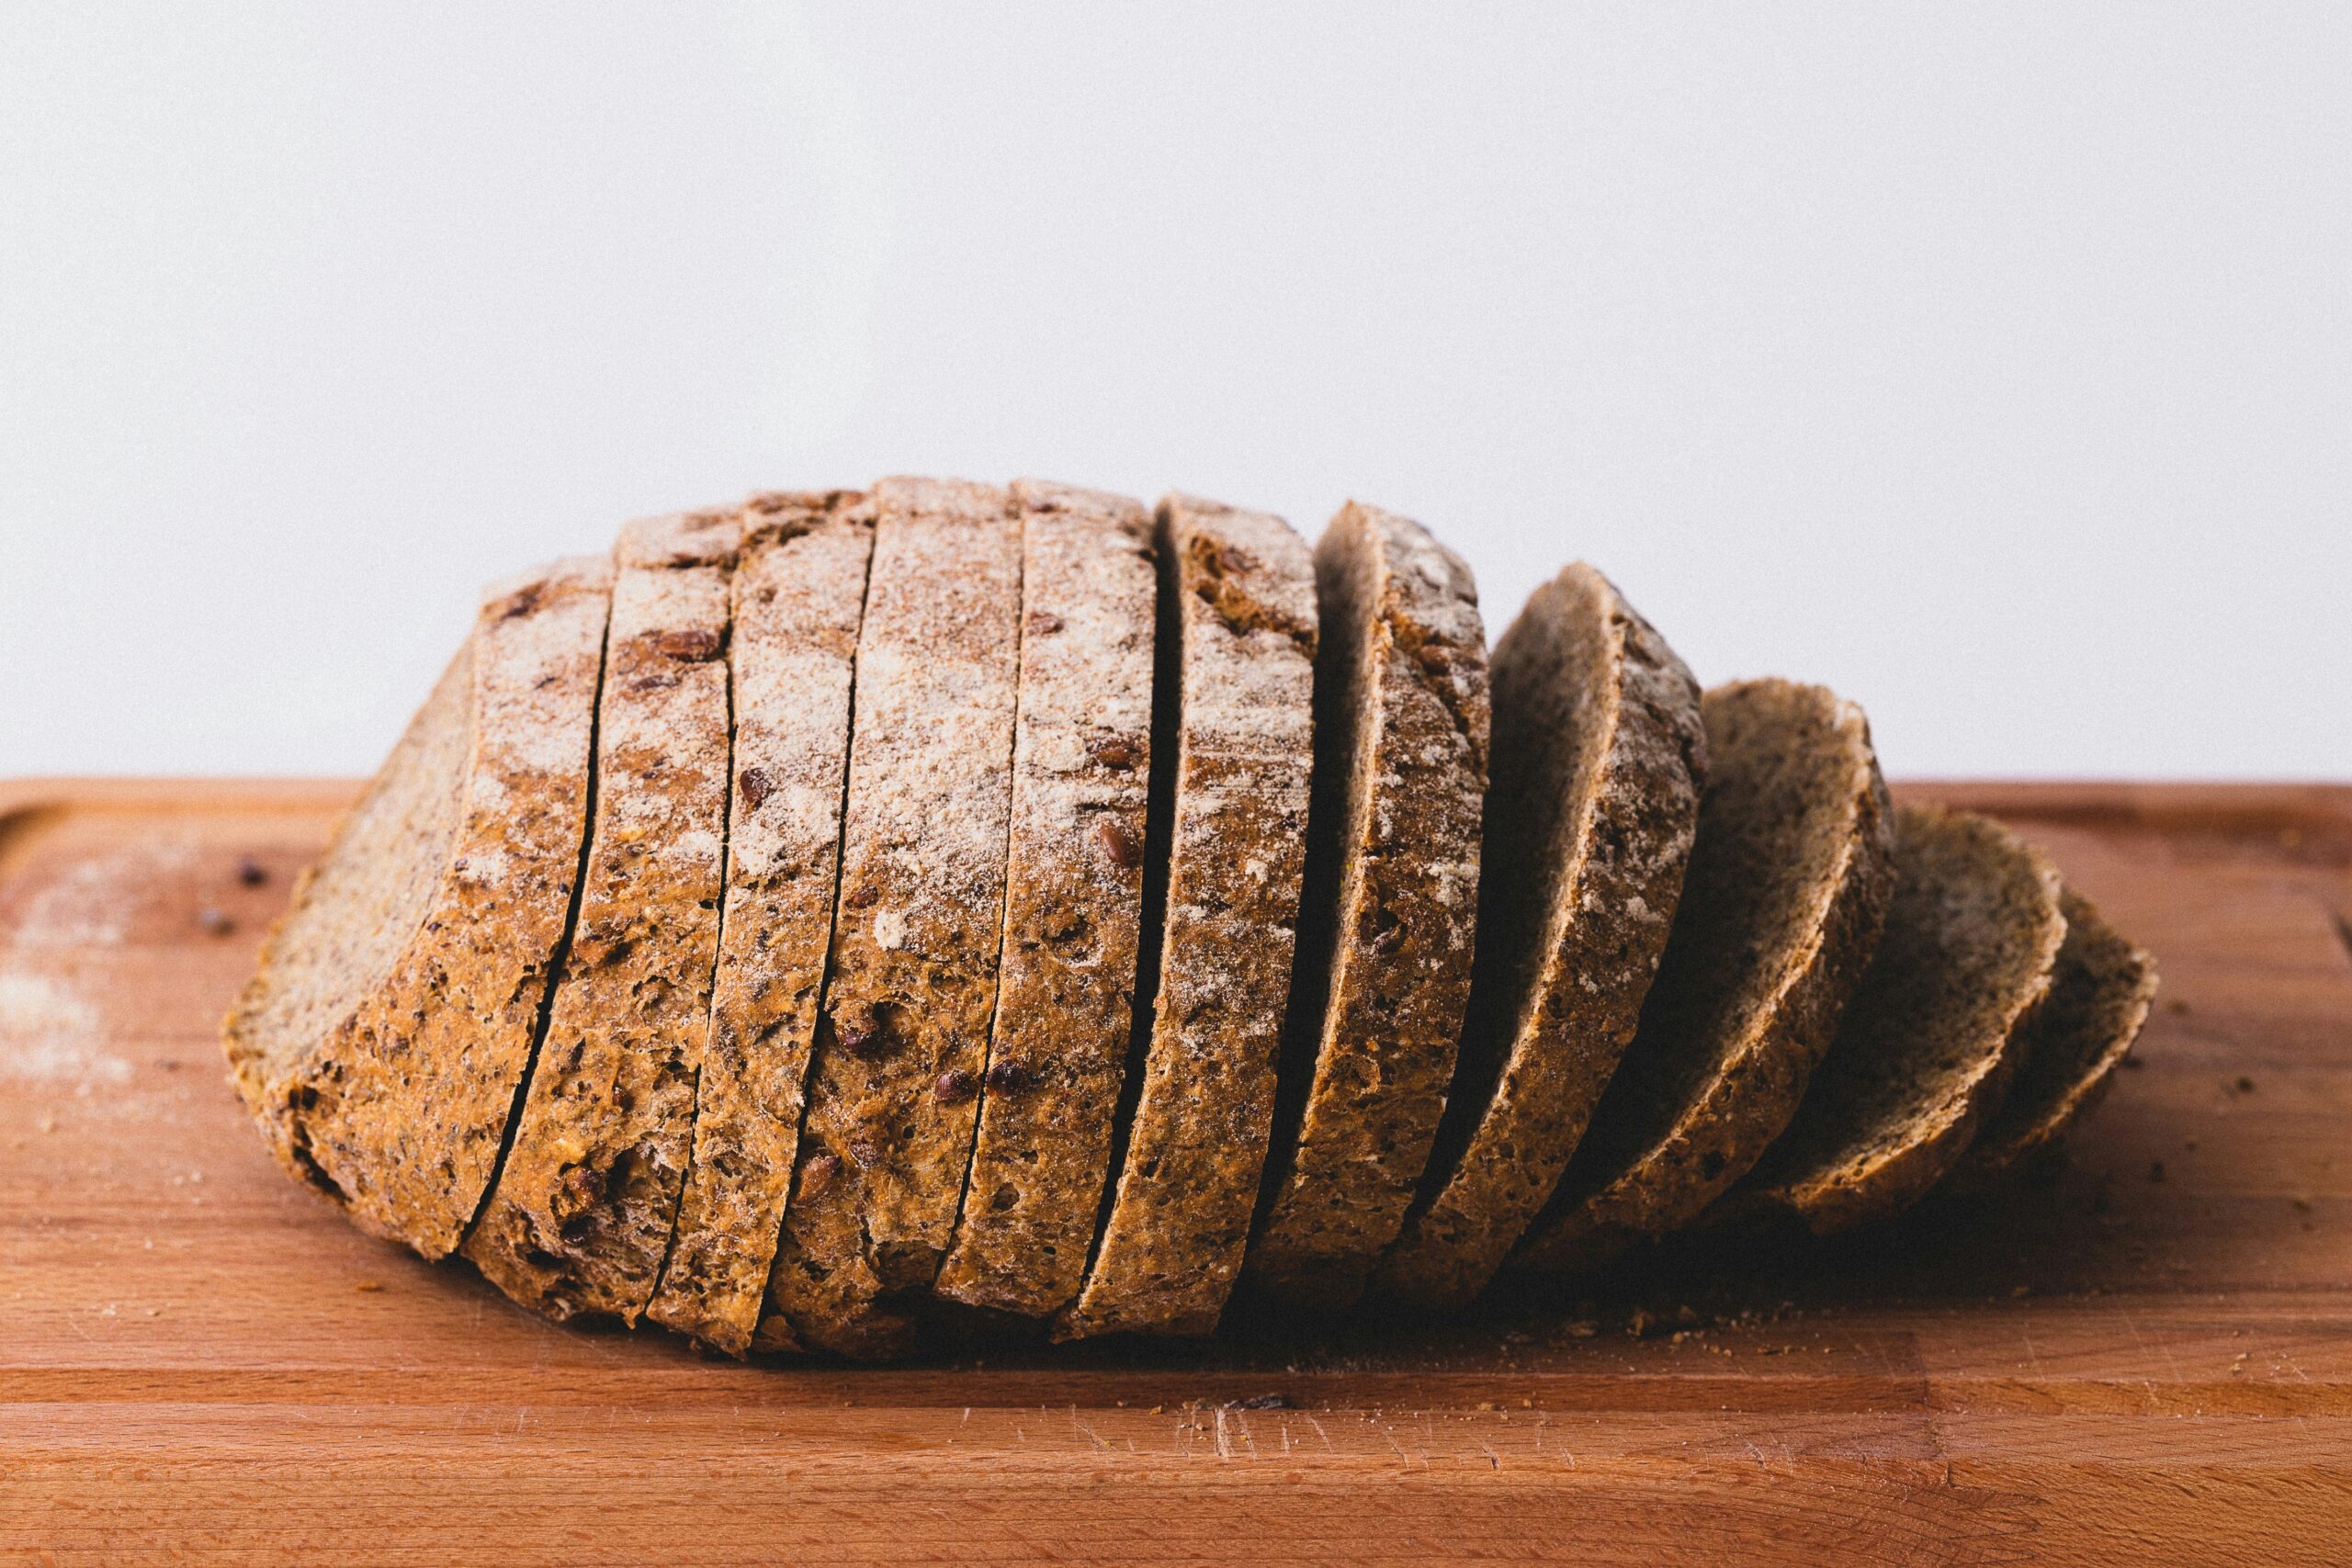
x,y
1993,363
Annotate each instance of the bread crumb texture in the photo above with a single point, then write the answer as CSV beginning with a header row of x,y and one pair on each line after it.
x,y
383,1037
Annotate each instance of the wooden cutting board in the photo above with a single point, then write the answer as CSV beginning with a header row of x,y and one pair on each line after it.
x,y
2149,1359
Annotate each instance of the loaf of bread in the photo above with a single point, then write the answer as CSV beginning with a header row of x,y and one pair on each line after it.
x,y
853,912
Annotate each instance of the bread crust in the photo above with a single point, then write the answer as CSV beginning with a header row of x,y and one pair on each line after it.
x,y
1388,924
1762,959
1927,1047
1065,988
1599,758
2100,992
580,1219
797,595
1240,587
888,1134
392,1093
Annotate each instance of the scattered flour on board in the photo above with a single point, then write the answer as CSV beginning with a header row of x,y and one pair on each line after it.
x,y
49,1036
49,1033
92,904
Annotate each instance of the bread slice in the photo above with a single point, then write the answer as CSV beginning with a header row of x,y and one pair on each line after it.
x,y
1599,758
1782,905
382,1040
1237,645
2099,996
1066,989
580,1218
797,595
904,1029
1935,1029
1388,930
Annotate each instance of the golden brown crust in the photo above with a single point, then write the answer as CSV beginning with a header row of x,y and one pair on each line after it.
x,y
1781,910
799,593
390,1088
1073,902
1241,587
1392,886
904,1026
1598,756
580,1219
2100,995
1927,1046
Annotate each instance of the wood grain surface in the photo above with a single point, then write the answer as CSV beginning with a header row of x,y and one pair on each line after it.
x,y
2148,1359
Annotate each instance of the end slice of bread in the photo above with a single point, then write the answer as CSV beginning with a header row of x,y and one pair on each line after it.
x,y
1787,890
2098,998
1389,917
904,1028
381,1042
1598,756
797,595
1936,1026
580,1219
1239,617
1064,999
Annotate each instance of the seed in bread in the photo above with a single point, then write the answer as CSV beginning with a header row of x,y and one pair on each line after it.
x,y
1065,998
1936,1027
2100,995
1787,890
1239,621
1599,756
579,1221
1386,933
382,1040
797,594
888,1134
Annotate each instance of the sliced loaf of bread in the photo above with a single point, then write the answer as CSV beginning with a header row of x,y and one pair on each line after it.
x,y
1781,910
1066,989
970,905
382,1040
2099,996
1598,756
578,1220
1237,645
1927,1046
1392,890
902,1037
799,593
